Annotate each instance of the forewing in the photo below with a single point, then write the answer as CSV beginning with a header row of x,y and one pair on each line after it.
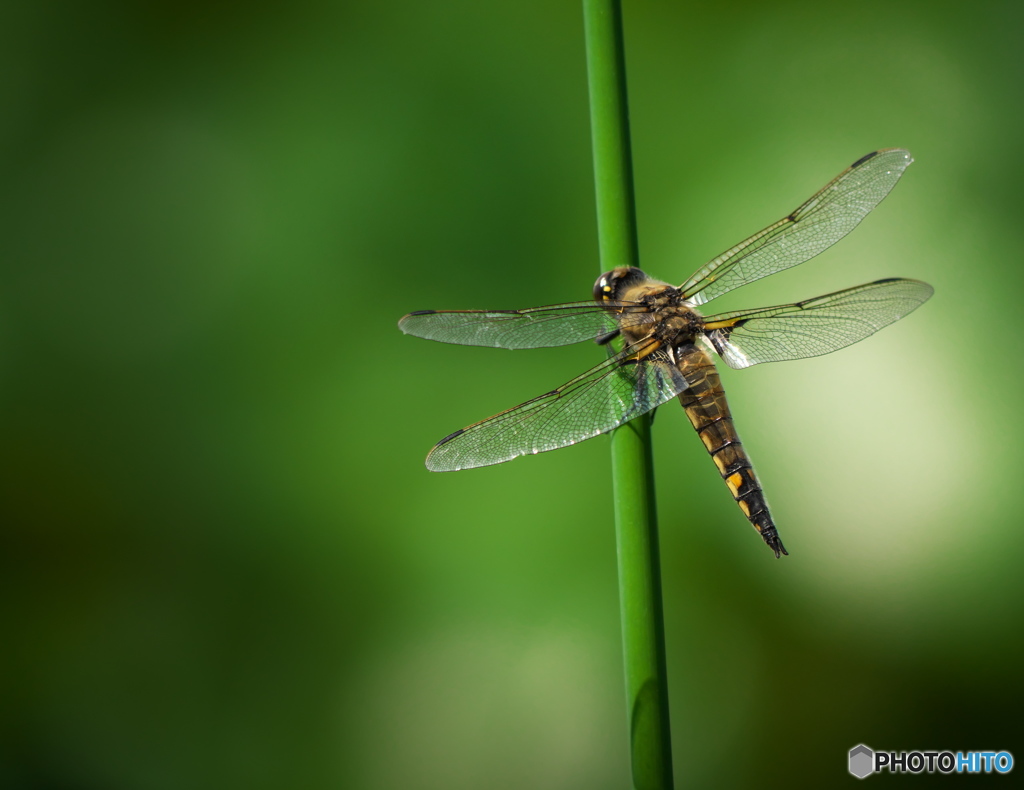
x,y
815,326
812,228
624,386
536,327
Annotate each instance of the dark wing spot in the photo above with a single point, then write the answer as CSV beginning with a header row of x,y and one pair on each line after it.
x,y
450,436
605,339
718,338
887,280
423,312
865,158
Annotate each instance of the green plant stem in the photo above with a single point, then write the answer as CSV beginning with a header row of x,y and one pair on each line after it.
x,y
636,526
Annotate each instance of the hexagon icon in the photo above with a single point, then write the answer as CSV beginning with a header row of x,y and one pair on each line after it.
x,y
862,761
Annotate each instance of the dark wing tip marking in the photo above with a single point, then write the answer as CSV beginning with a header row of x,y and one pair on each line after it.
x,y
450,436
892,280
422,312
865,158
924,285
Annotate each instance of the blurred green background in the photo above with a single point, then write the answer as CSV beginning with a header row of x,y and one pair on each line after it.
x,y
224,564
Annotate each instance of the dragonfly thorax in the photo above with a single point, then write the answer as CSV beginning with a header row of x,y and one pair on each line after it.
x,y
643,305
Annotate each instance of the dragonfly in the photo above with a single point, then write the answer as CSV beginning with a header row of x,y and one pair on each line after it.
x,y
660,346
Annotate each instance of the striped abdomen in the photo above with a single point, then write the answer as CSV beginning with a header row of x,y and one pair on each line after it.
x,y
705,405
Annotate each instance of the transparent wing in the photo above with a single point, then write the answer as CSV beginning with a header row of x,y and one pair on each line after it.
x,y
536,327
814,227
815,326
624,386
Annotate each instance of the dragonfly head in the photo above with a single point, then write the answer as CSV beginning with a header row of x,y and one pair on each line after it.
x,y
611,286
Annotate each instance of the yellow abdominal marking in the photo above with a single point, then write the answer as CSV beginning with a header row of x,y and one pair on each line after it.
x,y
744,507
734,481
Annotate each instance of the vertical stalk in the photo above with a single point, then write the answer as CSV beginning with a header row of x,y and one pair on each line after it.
x,y
636,528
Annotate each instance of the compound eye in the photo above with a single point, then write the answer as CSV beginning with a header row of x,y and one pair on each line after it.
x,y
604,288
